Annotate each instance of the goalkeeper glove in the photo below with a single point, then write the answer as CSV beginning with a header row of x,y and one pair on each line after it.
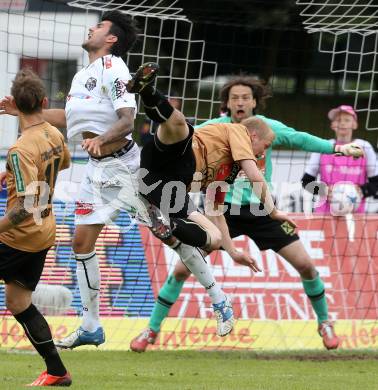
x,y
351,149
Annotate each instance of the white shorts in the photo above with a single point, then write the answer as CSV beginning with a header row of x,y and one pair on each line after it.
x,y
109,186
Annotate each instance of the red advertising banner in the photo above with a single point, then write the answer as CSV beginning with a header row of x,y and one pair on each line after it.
x,y
344,251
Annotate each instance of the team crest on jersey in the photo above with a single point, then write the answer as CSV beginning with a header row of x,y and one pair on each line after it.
x,y
91,83
118,89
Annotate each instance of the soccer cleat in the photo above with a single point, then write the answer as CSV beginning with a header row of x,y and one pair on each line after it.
x,y
46,379
140,343
225,317
145,75
327,333
159,225
82,337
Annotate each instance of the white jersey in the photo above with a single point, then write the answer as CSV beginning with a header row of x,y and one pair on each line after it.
x,y
97,91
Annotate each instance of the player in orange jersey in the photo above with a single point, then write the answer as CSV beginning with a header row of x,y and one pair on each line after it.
x,y
27,230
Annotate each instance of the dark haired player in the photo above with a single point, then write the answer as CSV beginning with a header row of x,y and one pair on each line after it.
x,y
27,230
101,112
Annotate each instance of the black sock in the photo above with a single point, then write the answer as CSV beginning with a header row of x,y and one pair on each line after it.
x,y
189,232
156,105
38,332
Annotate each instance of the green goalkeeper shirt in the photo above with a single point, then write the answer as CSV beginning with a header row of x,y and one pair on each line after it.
x,y
240,192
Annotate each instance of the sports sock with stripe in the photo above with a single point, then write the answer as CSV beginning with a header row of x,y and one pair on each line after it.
x,y
314,288
168,295
38,332
88,279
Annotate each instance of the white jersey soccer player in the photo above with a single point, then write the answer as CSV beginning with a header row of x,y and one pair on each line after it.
x,y
96,93
100,110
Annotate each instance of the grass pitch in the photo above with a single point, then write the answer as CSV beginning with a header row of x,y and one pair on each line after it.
x,y
202,370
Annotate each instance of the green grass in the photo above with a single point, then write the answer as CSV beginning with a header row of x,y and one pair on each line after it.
x,y
202,370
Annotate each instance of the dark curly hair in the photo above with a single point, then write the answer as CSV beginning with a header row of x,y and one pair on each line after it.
x,y
28,91
260,91
124,28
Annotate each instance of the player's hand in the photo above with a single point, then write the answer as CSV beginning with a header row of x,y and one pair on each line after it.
x,y
283,217
7,106
351,149
92,146
243,258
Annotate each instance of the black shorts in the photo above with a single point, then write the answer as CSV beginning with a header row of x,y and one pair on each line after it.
x,y
23,268
266,232
165,164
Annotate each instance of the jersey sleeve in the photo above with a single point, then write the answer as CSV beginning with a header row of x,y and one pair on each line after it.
x,y
313,165
371,160
116,76
293,139
23,169
240,143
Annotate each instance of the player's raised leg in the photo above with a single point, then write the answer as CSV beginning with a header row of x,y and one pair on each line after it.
x,y
313,285
173,127
88,277
193,260
172,150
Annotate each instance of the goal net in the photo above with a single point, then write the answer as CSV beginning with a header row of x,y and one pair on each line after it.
x,y
348,32
272,309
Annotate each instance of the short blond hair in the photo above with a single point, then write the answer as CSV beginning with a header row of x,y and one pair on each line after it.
x,y
262,129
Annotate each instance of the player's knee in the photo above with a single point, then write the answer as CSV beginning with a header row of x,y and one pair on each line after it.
x,y
215,239
81,245
307,270
181,274
177,119
14,305
175,128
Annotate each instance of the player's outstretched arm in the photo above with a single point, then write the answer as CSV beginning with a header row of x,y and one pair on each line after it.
x,y
7,106
117,132
242,258
55,116
261,190
120,129
293,139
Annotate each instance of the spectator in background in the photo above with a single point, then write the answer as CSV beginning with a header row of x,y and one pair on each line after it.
x,y
148,128
363,172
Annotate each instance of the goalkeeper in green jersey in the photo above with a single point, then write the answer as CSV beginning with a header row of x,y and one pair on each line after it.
x,y
241,98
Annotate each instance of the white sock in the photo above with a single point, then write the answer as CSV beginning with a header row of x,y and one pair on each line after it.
x,y
88,278
197,265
